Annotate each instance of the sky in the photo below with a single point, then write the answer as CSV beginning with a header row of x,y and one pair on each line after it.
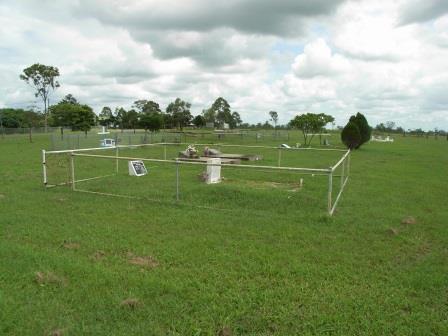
x,y
385,59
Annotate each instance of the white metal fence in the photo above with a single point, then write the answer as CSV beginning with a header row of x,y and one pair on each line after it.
x,y
63,168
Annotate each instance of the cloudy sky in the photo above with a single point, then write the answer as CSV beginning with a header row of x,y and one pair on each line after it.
x,y
387,59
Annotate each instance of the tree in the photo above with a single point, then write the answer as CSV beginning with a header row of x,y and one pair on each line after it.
x,y
149,114
78,117
179,110
121,117
325,119
309,124
363,126
274,117
209,115
350,135
130,119
43,79
151,121
69,99
199,121
221,110
106,118
236,120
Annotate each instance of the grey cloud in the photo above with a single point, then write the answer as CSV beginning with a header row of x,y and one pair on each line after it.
x,y
213,49
420,11
283,18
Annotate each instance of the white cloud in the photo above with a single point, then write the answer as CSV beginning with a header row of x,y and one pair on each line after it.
x,y
384,58
317,60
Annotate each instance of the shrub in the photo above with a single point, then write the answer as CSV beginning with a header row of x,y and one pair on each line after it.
x,y
363,126
350,136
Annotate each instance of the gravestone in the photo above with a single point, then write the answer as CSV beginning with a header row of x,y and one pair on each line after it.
x,y
137,168
213,172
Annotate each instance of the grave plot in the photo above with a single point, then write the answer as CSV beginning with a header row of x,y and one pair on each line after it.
x,y
216,176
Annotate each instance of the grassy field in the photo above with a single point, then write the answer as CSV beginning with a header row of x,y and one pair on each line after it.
x,y
82,264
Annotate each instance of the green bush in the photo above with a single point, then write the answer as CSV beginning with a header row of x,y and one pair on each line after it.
x,y
350,136
363,126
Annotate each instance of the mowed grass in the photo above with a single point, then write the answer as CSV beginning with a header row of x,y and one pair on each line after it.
x,y
69,261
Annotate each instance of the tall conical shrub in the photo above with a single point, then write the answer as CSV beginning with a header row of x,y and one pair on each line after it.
x,y
363,126
350,136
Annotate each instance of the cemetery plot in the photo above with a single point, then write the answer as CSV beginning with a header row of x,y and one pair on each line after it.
x,y
266,175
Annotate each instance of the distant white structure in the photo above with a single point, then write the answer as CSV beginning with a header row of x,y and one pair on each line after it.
x,y
107,143
381,139
213,172
285,146
103,131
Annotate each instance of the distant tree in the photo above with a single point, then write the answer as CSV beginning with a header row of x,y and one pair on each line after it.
x,y
324,120
274,117
236,120
75,115
121,117
167,121
149,114
390,125
69,99
350,135
199,121
131,119
43,79
106,118
221,109
151,121
309,124
179,110
209,115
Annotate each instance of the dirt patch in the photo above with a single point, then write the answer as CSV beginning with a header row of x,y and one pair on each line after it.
x,y
49,278
290,187
146,262
225,331
409,220
130,303
57,332
98,255
70,245
392,231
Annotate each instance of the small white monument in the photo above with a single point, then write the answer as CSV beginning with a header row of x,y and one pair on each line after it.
x,y
213,172
137,168
285,146
107,143
103,131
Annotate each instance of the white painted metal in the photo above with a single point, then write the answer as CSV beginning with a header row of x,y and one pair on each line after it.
x,y
213,171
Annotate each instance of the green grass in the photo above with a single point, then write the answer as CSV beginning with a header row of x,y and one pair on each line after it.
x,y
261,269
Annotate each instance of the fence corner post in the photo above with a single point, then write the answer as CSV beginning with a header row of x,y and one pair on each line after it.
x,y
330,190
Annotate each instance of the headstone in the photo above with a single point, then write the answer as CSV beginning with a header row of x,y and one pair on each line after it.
x,y
213,172
107,143
137,168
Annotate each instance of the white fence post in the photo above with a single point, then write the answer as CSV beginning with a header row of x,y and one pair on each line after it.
x,y
116,160
44,166
330,190
177,180
72,166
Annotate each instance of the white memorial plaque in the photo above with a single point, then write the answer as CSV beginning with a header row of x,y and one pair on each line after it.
x,y
213,172
137,168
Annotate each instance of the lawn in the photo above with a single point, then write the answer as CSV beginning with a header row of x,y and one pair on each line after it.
x,y
81,264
